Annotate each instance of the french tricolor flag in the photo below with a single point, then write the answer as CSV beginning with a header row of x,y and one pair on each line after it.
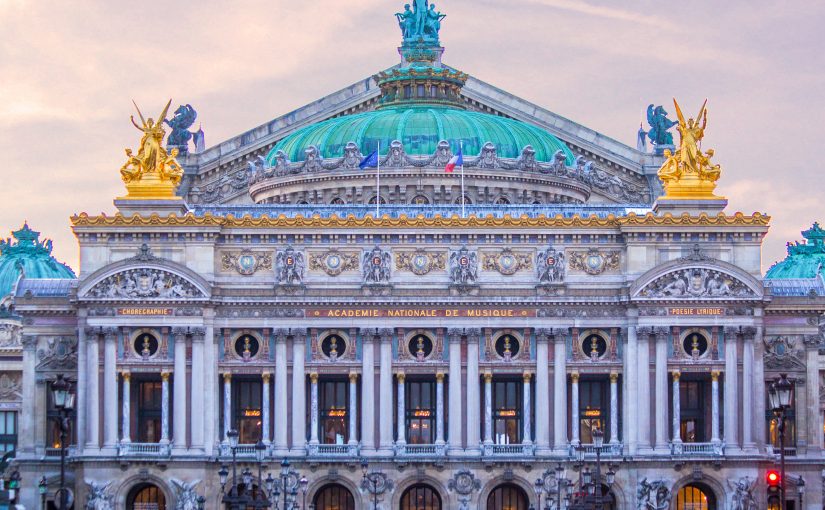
x,y
455,161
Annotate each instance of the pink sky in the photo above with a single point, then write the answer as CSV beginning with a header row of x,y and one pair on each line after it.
x,y
70,70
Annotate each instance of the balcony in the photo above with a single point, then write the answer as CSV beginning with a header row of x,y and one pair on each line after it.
x,y
420,450
143,450
609,450
242,450
508,450
333,450
55,452
790,451
697,449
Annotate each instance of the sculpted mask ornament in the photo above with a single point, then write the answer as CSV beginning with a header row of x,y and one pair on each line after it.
x,y
333,262
152,173
289,267
246,262
420,262
593,261
550,266
688,173
376,266
507,262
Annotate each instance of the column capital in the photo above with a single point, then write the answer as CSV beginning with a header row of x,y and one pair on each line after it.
x,y
714,375
126,375
91,331
749,332
385,335
526,376
676,375
614,377
473,334
227,377
313,377
488,377
109,334
280,335
400,376
544,335
198,334
265,376
574,376
29,342
439,376
298,335
731,331
661,333
353,377
165,376
179,334
454,335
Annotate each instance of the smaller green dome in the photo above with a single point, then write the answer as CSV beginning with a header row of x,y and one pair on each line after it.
x,y
804,260
31,257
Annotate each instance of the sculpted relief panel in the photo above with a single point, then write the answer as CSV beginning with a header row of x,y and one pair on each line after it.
x,y
9,336
696,283
144,283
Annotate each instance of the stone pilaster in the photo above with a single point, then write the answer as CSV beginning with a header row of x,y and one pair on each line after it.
x,y
299,423
81,397
198,392
93,390
731,390
560,393
542,392
473,398
110,409
748,405
631,372
179,388
456,399
281,447
28,414
642,404
661,335
386,393
368,394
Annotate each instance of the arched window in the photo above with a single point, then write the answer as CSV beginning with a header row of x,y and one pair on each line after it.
x,y
695,497
420,497
334,497
507,497
146,496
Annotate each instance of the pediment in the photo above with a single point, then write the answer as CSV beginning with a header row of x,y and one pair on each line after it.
x,y
696,278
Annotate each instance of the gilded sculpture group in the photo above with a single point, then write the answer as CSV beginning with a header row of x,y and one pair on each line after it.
x,y
689,173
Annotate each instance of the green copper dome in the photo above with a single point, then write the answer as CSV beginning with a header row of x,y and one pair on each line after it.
x,y
31,256
804,260
419,129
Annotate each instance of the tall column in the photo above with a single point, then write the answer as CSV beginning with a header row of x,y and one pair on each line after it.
x,y
814,415
731,389
198,397
439,408
82,385
677,437
456,399
385,397
179,433
93,390
614,408
560,391
542,393
488,408
164,407
747,396
28,401
526,409
368,394
265,408
401,419
281,447
473,399
642,403
313,408
227,405
110,413
299,400
574,408
126,433
352,412
661,390
758,385
714,407
211,380
631,364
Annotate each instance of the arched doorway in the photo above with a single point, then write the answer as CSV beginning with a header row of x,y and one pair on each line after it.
x,y
507,497
420,497
695,496
334,496
146,496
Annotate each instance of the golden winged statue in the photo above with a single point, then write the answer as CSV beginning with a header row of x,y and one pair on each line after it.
x,y
689,173
152,173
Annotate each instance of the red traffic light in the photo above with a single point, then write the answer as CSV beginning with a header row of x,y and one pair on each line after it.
x,y
773,478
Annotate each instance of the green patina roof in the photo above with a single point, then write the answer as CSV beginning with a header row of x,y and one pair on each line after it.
x,y
804,260
30,255
420,129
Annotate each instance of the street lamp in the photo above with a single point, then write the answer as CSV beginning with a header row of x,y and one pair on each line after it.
x,y
41,489
63,398
539,485
370,480
304,486
800,490
779,395
234,499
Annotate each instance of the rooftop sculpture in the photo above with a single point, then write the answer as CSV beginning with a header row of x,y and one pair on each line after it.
x,y
422,22
659,125
153,173
688,174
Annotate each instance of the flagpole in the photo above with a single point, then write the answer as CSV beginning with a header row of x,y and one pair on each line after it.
x,y
461,150
378,182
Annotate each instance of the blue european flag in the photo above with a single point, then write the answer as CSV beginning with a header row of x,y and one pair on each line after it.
x,y
370,161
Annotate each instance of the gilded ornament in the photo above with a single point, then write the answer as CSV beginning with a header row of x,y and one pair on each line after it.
x,y
420,262
333,262
246,262
593,261
507,262
688,174
153,173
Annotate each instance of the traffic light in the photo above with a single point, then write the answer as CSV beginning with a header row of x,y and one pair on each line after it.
x,y
774,479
